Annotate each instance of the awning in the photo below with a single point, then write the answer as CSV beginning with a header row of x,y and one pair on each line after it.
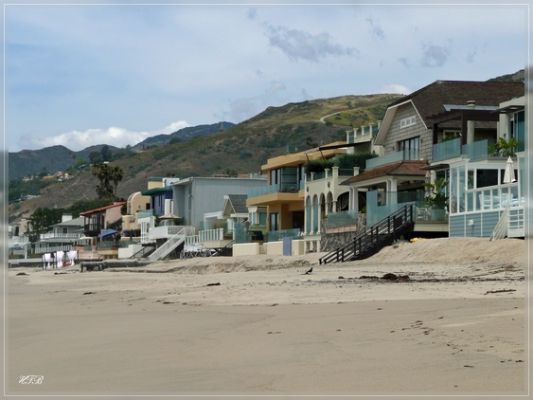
x,y
107,232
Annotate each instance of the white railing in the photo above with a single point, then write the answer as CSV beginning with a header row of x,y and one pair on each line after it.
x,y
172,242
192,240
492,198
209,235
58,235
163,232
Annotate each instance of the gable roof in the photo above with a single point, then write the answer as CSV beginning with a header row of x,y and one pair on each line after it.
x,y
104,208
71,222
235,204
431,99
409,168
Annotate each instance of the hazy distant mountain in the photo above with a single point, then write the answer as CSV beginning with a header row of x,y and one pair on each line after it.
x,y
59,158
49,160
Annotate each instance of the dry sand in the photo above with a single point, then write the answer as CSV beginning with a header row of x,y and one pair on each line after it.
x,y
258,325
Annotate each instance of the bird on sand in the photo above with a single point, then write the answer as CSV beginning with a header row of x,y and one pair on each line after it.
x,y
308,271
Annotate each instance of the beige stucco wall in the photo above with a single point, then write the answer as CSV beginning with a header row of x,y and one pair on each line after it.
x,y
273,248
298,247
137,202
154,184
246,249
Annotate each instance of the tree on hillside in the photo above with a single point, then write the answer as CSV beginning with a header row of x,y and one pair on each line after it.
x,y
108,178
95,157
105,153
41,221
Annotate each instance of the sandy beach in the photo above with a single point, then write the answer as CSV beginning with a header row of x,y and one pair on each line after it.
x,y
260,326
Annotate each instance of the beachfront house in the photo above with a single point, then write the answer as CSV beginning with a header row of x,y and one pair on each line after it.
x,y
412,174
284,197
178,209
327,215
196,196
64,236
410,128
299,186
103,225
486,174
220,227
136,203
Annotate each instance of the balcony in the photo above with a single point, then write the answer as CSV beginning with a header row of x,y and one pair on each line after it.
x,y
316,176
275,236
386,159
476,151
449,149
281,192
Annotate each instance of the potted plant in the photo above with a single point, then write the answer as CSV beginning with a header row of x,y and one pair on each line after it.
x,y
504,148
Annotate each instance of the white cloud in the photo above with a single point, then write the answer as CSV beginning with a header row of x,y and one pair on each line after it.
x,y
115,136
395,88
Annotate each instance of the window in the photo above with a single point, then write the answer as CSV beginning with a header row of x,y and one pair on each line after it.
x,y
274,222
410,148
486,177
406,122
275,176
448,134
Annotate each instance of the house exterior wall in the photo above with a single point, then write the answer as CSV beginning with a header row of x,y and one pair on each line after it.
x,y
198,196
137,202
112,215
58,230
284,210
397,134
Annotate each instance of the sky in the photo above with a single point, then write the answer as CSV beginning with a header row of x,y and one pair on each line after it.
x,y
84,75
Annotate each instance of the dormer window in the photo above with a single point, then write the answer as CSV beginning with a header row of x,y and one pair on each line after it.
x,y
406,122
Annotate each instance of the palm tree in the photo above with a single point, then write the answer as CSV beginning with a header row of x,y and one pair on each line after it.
x,y
109,178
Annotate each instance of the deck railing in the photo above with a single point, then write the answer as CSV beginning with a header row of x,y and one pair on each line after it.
x,y
274,236
447,150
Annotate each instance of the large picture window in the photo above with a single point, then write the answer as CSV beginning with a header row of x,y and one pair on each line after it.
x,y
410,148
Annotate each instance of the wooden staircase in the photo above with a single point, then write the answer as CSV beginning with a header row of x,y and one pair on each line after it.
x,y
374,238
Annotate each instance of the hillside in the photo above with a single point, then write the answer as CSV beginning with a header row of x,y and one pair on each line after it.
x,y
59,158
239,149
518,76
184,134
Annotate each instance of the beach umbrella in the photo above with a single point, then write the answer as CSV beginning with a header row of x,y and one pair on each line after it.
x,y
508,176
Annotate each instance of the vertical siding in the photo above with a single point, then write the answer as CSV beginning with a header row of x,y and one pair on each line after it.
x,y
396,134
